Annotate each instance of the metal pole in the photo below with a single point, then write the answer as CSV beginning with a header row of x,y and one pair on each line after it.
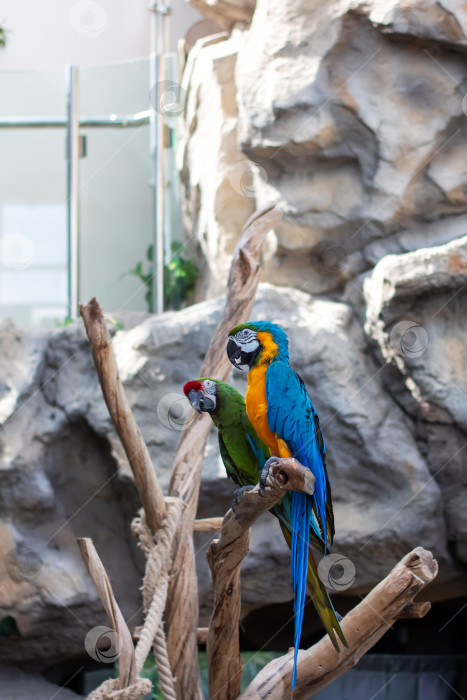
x,y
162,12
158,261
114,120
72,155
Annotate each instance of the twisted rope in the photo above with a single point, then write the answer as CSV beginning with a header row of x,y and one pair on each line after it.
x,y
110,690
157,549
155,587
166,680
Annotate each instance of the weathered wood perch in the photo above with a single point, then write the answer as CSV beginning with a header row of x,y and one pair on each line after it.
x,y
182,602
363,627
125,651
208,525
318,666
123,419
225,557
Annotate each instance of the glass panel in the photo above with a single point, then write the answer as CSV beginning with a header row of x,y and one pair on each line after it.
x,y
116,199
115,191
32,201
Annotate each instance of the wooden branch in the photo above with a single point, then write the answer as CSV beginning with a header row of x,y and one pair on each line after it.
x,y
414,611
289,474
126,652
363,627
148,487
208,525
182,602
202,635
225,557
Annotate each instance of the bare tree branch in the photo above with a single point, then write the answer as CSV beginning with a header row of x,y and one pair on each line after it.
x,y
225,557
123,419
208,525
126,653
182,602
363,627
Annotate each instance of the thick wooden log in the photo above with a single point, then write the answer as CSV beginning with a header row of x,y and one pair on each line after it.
x,y
225,558
182,603
122,416
363,627
125,650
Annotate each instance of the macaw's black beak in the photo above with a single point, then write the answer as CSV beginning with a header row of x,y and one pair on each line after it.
x,y
200,401
234,353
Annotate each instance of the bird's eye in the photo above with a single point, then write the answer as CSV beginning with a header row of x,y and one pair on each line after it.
x,y
245,333
208,384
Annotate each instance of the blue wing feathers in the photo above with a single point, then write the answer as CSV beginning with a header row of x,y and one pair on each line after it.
x,y
292,417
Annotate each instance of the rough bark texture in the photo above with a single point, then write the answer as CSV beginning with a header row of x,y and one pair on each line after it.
x,y
225,557
122,416
182,602
362,626
124,641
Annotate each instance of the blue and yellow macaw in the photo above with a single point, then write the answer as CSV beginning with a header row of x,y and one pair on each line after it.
x,y
281,412
244,456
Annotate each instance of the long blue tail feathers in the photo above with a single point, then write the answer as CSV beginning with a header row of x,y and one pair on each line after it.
x,y
301,513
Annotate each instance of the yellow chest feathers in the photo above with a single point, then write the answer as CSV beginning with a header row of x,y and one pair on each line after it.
x,y
256,402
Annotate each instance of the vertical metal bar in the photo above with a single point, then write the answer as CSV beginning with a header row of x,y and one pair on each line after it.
x,y
72,155
158,258
161,161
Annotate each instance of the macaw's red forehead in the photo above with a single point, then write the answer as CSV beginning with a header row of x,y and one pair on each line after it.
x,y
192,386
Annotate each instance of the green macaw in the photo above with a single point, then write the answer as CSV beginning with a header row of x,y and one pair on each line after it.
x,y
244,456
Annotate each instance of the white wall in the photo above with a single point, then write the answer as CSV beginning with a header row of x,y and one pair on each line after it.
x,y
48,34
115,193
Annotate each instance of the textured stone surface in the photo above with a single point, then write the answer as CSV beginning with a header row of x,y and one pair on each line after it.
x,y
417,315
63,475
225,13
353,117
17,685
215,173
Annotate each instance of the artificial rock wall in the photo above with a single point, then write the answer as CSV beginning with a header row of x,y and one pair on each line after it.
x,y
352,117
